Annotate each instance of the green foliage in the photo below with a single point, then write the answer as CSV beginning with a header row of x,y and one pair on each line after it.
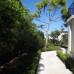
x,y
41,34
17,32
23,64
55,33
55,3
63,2
51,47
70,63
41,39
45,2
36,14
42,4
65,13
18,35
64,9
9,11
39,5
32,69
62,56
50,4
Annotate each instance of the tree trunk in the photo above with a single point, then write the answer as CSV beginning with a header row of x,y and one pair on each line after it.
x,y
47,35
46,38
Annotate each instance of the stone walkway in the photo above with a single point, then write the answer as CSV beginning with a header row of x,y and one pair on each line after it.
x,y
49,63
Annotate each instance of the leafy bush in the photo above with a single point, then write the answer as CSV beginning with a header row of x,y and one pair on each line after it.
x,y
32,69
17,35
17,65
23,64
62,56
70,63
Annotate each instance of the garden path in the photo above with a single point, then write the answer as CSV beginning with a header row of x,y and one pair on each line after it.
x,y
49,63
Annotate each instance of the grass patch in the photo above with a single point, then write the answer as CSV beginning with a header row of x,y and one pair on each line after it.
x,y
51,47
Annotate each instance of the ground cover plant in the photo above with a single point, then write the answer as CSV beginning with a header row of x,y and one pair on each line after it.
x,y
68,60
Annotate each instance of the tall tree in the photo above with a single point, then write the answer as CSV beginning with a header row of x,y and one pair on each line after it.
x,y
48,12
55,34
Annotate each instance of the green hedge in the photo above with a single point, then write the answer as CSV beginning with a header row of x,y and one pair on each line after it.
x,y
32,69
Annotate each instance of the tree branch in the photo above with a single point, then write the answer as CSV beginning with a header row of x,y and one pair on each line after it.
x,y
55,11
42,21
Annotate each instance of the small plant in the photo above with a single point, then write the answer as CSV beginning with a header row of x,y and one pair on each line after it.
x,y
62,56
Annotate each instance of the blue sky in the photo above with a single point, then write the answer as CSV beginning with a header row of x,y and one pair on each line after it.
x,y
30,4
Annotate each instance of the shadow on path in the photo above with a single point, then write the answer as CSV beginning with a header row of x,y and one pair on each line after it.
x,y
40,67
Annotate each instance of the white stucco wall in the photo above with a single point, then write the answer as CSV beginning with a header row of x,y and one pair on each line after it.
x,y
70,23
72,35
69,38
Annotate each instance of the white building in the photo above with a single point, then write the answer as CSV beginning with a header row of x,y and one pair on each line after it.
x,y
70,23
60,37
